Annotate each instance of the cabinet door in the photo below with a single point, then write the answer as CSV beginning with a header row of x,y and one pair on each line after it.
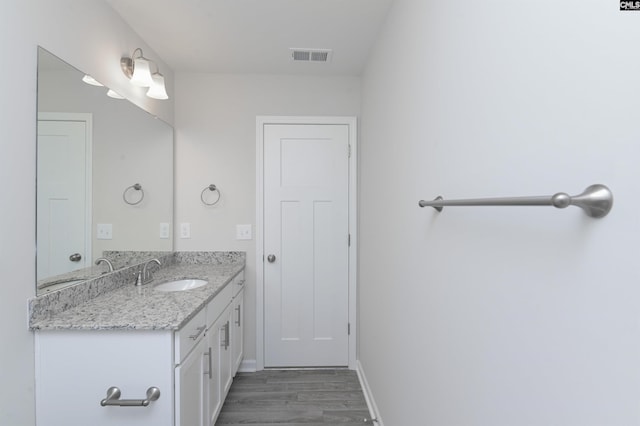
x,y
237,335
225,360
213,395
76,367
190,386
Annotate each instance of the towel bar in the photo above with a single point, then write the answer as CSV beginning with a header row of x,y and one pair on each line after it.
x,y
596,201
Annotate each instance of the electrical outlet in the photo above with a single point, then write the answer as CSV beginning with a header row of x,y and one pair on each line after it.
x,y
185,230
164,230
104,231
243,232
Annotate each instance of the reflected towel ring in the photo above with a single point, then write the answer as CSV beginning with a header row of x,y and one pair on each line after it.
x,y
211,188
136,187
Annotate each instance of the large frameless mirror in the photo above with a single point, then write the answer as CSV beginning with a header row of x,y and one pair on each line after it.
x,y
104,178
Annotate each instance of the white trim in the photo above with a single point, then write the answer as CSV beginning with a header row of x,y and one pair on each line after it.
x,y
247,366
368,396
87,118
261,121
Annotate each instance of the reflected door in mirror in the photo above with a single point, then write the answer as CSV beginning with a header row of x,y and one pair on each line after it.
x,y
64,176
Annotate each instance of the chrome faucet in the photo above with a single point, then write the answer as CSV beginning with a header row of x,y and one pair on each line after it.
x,y
105,260
146,275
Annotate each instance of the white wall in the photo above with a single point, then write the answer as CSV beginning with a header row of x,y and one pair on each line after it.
x,y
511,315
89,35
216,143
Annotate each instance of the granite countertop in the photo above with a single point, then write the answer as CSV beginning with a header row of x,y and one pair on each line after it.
x,y
143,308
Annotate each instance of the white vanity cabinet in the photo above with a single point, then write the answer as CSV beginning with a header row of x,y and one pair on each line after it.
x,y
221,340
237,329
193,368
75,368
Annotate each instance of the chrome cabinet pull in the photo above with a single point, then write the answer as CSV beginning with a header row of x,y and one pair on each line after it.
x,y
225,342
113,398
200,330
210,372
271,258
239,314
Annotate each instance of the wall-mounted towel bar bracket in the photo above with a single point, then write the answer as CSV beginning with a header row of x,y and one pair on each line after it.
x,y
113,398
596,201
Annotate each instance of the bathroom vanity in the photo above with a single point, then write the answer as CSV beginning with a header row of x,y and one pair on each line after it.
x,y
186,344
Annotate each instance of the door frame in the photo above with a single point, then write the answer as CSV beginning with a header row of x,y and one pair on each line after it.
x,y
87,118
351,122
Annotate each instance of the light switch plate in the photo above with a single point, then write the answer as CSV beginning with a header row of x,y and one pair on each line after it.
x,y
243,232
104,231
185,230
164,230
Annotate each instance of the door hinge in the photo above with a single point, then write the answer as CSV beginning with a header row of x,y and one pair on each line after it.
x,y
349,240
348,329
349,150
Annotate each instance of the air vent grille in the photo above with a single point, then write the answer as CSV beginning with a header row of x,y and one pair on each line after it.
x,y
311,55
301,55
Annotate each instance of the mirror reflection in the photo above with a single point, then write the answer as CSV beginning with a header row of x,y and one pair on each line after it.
x,y
104,178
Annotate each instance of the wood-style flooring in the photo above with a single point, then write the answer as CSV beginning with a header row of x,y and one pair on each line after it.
x,y
295,398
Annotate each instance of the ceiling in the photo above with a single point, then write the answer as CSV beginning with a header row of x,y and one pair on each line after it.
x,y
254,36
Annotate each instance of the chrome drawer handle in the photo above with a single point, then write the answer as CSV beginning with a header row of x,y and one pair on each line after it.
x,y
113,398
200,330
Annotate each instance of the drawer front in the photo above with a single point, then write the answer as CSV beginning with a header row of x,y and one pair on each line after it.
x,y
238,283
189,335
218,304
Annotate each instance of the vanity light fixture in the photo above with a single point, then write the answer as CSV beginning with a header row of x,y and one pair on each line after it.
x,y
90,80
138,69
157,90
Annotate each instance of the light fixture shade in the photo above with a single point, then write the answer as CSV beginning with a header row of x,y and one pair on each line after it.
x,y
141,73
90,80
114,95
157,89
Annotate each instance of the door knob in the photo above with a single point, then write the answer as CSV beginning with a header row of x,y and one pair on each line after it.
x,y
75,257
271,258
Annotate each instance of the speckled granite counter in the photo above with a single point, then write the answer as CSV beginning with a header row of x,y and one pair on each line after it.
x,y
128,307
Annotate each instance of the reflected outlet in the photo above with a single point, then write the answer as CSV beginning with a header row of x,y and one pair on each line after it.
x,y
185,230
104,231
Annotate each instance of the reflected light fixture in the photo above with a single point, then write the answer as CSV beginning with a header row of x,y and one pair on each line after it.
x,y
138,69
113,94
90,80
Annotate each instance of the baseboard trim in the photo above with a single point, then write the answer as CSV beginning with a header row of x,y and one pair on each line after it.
x,y
368,396
248,366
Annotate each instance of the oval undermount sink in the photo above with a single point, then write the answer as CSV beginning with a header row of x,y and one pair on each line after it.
x,y
180,285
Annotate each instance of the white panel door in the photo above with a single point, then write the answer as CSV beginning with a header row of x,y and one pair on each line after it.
x,y
62,191
306,229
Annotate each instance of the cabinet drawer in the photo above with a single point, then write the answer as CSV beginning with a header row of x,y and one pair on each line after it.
x,y
238,283
189,335
218,304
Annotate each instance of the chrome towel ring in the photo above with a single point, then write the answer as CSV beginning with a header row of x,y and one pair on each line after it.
x,y
211,188
135,187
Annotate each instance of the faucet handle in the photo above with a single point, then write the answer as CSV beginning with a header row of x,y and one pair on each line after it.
x,y
138,276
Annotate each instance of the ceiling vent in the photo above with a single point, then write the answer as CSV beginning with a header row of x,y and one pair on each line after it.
x,y
311,55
